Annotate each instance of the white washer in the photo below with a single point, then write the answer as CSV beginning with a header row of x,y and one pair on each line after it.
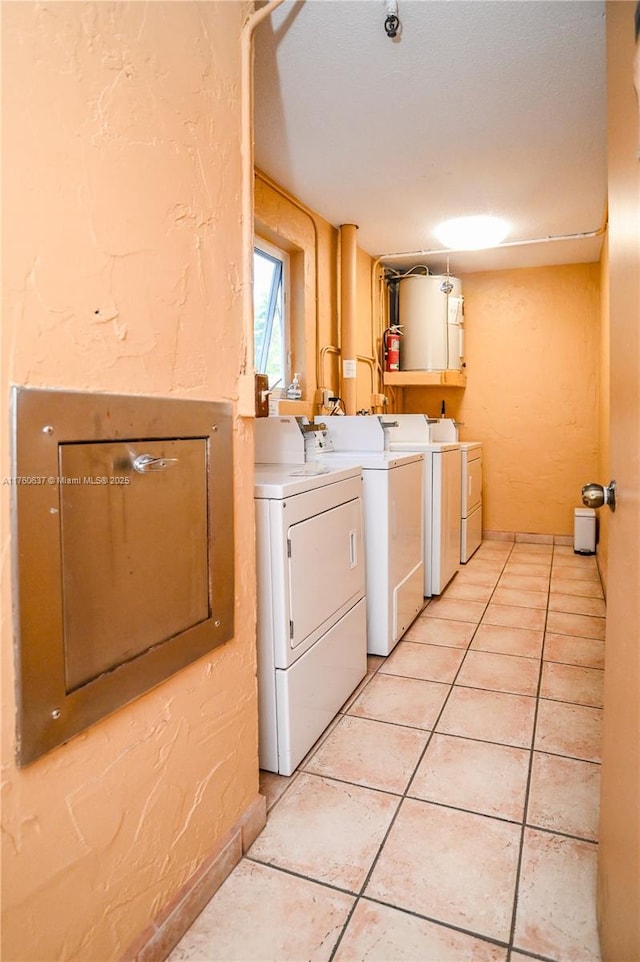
x,y
446,429
393,525
471,499
442,483
311,623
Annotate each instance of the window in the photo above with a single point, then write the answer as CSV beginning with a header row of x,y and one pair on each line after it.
x,y
270,328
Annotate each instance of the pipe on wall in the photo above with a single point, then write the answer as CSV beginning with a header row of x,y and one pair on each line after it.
x,y
378,320
283,192
348,315
360,358
246,392
548,239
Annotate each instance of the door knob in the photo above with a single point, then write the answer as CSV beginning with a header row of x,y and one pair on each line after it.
x,y
595,495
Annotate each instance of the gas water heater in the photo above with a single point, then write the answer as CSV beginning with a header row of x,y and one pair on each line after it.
x,y
430,313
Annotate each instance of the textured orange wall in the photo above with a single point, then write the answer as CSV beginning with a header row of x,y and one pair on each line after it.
x,y
122,254
280,217
532,346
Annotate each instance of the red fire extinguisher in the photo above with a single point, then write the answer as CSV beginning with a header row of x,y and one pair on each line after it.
x,y
391,348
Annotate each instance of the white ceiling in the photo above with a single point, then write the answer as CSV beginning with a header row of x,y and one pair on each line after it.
x,y
477,107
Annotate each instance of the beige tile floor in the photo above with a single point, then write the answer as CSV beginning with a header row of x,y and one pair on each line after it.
x,y
449,813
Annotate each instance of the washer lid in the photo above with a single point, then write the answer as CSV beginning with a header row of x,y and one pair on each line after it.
x,y
285,480
428,448
371,460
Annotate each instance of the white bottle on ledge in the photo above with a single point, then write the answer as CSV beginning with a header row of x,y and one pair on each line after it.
x,y
294,391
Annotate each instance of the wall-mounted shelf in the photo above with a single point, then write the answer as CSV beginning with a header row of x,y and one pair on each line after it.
x,y
425,378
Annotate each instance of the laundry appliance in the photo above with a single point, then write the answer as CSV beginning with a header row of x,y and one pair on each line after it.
x,y
441,495
393,524
311,618
471,499
470,485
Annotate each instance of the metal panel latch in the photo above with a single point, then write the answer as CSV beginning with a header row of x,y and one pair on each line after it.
x,y
144,463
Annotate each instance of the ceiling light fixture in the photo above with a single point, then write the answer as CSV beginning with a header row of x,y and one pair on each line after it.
x,y
472,233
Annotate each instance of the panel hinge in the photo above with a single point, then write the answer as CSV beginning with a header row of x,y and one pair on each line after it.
x,y
288,547
291,630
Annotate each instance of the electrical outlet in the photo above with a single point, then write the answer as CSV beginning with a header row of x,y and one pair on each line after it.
x,y
326,395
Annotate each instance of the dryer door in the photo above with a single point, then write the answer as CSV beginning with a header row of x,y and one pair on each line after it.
x,y
472,483
326,570
406,512
445,539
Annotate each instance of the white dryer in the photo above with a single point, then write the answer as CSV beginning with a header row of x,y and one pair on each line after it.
x,y
311,620
393,525
442,481
471,499
446,429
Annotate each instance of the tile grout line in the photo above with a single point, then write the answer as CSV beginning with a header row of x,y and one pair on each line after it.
x,y
404,795
438,922
528,785
525,825
516,891
360,895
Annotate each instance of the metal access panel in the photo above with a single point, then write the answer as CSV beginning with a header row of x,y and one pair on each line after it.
x,y
124,560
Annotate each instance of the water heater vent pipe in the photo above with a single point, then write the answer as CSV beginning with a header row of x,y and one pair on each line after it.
x,y
246,391
348,283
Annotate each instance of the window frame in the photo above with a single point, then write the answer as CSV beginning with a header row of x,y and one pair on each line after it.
x,y
281,257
